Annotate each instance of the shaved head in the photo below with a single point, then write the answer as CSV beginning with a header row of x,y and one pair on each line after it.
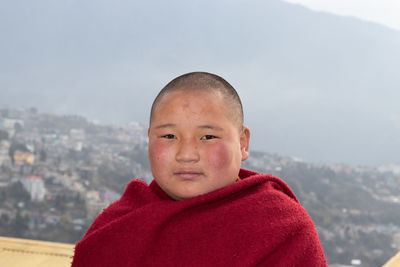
x,y
205,82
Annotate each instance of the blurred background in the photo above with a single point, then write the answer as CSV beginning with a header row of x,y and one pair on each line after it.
x,y
319,81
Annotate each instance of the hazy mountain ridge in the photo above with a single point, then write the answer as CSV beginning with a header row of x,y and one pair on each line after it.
x,y
314,85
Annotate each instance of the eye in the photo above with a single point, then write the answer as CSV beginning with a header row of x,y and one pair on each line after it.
x,y
208,137
169,136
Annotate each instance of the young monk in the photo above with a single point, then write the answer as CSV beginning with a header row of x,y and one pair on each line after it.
x,y
201,209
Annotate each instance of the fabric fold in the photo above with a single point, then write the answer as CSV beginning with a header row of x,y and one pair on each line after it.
x,y
256,221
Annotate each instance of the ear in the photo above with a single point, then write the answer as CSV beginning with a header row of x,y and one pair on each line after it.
x,y
244,142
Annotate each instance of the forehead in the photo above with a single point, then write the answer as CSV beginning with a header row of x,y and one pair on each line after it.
x,y
211,104
192,100
193,108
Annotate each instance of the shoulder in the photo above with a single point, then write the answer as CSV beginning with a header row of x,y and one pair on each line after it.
x,y
284,223
270,196
137,194
268,183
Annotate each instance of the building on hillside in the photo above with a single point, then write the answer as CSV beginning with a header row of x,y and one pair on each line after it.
x,y
11,124
35,187
21,157
77,134
4,147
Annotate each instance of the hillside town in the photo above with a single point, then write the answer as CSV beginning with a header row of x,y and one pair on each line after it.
x,y
58,172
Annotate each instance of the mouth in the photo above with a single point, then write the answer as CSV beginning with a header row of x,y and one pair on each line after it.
x,y
188,174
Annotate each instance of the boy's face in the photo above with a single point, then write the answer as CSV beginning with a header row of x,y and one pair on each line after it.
x,y
194,147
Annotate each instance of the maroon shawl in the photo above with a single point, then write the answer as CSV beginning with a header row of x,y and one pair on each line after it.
x,y
257,221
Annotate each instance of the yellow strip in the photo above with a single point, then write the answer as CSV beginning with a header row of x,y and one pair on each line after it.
x,y
15,252
393,262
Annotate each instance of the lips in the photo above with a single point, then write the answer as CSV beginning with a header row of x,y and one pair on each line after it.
x,y
188,174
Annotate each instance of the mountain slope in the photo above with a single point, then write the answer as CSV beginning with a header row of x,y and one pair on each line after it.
x,y
314,85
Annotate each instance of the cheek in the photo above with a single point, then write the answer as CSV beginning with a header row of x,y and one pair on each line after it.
x,y
220,156
159,155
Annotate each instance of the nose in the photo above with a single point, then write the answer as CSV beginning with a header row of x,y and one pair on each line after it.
x,y
187,151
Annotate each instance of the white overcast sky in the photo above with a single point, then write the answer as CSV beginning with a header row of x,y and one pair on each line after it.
x,y
386,12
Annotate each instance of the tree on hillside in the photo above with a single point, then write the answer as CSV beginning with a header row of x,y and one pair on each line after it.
x,y
18,192
3,135
20,225
18,127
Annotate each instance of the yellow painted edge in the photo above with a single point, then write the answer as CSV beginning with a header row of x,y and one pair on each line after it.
x,y
32,246
393,262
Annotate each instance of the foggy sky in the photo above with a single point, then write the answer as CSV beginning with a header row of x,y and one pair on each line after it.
x,y
316,86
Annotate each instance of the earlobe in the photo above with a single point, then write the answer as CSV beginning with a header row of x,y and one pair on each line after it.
x,y
245,142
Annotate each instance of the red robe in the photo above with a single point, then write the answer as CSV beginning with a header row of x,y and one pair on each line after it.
x,y
257,221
